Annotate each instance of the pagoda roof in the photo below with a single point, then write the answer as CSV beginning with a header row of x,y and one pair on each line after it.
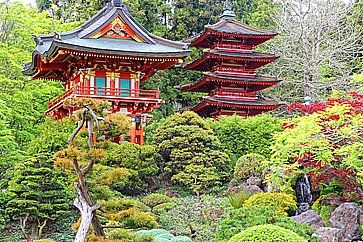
x,y
209,105
228,26
210,80
111,31
211,57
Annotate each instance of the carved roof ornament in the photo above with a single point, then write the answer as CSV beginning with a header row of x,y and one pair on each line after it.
x,y
116,3
228,12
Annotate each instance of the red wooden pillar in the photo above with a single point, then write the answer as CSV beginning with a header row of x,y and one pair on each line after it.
x,y
137,131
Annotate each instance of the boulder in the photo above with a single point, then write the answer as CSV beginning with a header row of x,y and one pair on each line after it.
x,y
253,180
327,234
250,189
310,218
346,217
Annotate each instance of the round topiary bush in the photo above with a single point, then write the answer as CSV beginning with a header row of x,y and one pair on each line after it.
x,y
283,203
267,233
247,166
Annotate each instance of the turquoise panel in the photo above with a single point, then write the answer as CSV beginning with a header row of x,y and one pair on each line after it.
x,y
100,83
125,85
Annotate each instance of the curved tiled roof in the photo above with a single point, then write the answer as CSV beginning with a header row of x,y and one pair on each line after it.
x,y
81,39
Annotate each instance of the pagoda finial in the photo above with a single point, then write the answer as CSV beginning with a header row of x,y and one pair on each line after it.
x,y
228,12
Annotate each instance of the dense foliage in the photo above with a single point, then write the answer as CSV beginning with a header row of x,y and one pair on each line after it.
x,y
267,233
325,143
174,188
190,152
240,136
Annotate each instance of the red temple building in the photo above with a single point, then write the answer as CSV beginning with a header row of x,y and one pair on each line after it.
x,y
229,64
105,58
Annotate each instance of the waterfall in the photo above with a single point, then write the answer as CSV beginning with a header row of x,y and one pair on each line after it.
x,y
303,194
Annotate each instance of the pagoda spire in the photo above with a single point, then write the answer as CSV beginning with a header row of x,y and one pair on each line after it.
x,y
228,10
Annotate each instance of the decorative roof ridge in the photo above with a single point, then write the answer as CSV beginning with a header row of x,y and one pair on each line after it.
x,y
241,24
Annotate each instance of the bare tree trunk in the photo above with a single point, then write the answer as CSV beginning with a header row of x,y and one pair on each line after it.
x,y
84,202
86,214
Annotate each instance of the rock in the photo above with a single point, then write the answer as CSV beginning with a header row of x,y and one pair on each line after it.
x,y
332,200
327,234
251,189
310,218
254,181
346,217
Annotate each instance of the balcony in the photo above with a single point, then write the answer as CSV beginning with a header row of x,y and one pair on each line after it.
x,y
107,94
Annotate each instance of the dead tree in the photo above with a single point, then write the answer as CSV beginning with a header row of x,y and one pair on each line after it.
x,y
83,201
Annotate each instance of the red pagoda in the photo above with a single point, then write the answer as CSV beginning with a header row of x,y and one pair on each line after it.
x,y
105,58
229,64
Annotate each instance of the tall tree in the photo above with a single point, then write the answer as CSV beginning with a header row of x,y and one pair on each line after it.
x,y
317,45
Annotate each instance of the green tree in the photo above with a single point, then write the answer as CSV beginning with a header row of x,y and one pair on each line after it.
x,y
186,140
37,195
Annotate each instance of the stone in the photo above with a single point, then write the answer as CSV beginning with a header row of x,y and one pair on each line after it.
x,y
253,180
346,217
327,234
251,189
310,218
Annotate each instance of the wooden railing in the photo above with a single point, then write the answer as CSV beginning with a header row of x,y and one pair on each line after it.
x,y
233,93
96,92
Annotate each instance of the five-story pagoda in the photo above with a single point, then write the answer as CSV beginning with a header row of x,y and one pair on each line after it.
x,y
105,58
229,64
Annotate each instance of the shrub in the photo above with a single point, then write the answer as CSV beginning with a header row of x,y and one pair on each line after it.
x,y
283,203
155,199
163,207
249,165
133,219
241,136
301,229
198,177
186,142
267,233
129,236
190,214
119,204
240,219
139,164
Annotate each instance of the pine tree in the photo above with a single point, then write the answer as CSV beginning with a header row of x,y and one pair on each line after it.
x,y
37,195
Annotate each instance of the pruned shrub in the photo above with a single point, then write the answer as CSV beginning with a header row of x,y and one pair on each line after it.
x,y
301,229
249,165
267,233
163,207
190,152
133,219
126,235
240,219
155,199
282,202
119,204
